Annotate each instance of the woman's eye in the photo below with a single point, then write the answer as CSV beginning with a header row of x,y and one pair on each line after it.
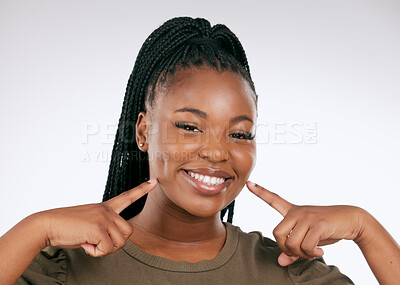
x,y
191,128
243,136
186,126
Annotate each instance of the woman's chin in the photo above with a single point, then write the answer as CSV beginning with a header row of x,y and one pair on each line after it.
x,y
189,202
203,211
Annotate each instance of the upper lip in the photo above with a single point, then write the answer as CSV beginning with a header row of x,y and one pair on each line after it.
x,y
210,172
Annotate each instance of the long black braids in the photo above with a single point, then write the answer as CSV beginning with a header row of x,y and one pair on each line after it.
x,y
180,42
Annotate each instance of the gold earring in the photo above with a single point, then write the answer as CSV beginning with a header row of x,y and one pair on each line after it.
x,y
141,144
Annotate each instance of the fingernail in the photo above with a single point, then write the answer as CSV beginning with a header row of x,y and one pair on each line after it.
x,y
252,183
294,257
319,251
152,181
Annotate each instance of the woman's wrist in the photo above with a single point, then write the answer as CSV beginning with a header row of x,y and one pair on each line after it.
x,y
35,224
379,249
368,225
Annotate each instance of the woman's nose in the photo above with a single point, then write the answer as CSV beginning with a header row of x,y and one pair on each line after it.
x,y
214,149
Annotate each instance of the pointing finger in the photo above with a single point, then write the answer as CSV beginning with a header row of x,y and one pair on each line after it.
x,y
274,200
126,198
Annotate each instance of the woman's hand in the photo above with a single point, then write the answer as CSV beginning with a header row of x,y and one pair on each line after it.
x,y
98,228
304,228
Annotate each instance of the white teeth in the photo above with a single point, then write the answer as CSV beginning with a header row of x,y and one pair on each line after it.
x,y
209,180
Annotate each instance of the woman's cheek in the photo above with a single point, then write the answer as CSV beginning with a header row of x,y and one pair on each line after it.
x,y
243,160
176,147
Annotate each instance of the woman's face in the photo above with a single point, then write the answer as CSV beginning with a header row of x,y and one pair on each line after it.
x,y
201,126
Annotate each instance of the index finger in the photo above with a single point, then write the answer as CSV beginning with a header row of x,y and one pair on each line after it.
x,y
273,199
126,198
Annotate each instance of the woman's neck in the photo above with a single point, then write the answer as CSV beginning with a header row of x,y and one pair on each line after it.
x,y
163,219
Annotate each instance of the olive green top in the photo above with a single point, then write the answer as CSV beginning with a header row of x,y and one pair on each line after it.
x,y
246,258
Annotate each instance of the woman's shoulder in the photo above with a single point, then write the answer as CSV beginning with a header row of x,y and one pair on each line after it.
x,y
254,239
254,246
55,265
262,253
48,267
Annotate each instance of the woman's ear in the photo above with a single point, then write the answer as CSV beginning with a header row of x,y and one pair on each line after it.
x,y
142,125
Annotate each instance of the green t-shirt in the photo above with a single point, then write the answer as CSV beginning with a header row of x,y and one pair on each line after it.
x,y
246,258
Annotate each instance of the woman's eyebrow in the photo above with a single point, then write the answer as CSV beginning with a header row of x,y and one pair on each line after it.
x,y
204,115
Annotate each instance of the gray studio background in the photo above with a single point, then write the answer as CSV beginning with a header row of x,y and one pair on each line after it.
x,y
327,74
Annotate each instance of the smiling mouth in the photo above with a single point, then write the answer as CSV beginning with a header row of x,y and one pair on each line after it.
x,y
205,184
205,179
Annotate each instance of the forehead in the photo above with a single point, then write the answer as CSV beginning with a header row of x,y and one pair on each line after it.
x,y
218,94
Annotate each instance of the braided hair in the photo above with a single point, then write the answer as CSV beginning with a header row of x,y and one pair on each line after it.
x,y
181,42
